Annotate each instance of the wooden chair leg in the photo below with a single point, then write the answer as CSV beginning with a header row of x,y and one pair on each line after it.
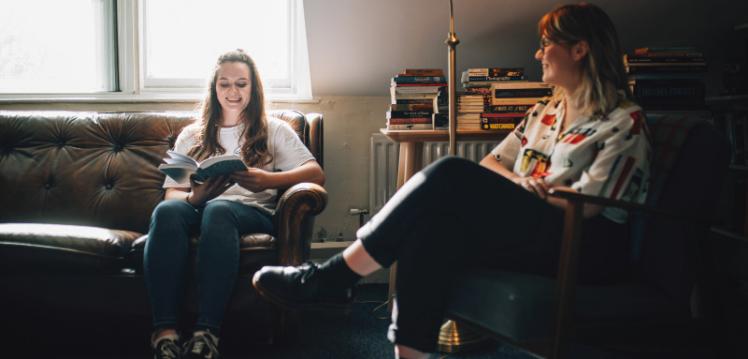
x,y
567,277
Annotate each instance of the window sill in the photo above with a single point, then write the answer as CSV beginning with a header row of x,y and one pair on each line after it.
x,y
146,97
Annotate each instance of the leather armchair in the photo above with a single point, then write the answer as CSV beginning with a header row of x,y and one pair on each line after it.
x,y
652,310
78,192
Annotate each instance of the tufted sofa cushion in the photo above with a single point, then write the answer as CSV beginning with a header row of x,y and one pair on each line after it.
x,y
93,169
33,247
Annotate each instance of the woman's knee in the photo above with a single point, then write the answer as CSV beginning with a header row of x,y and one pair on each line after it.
x,y
169,212
448,165
217,210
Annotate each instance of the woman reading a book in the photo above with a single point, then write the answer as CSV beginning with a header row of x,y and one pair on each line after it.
x,y
221,208
456,215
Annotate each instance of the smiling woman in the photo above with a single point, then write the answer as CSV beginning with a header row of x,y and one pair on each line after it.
x,y
222,208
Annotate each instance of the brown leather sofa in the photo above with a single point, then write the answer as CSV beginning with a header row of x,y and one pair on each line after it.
x,y
76,193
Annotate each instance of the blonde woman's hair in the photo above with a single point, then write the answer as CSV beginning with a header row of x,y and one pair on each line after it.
x,y
603,75
254,149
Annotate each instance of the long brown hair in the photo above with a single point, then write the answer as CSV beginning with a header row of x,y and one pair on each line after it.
x,y
254,149
604,76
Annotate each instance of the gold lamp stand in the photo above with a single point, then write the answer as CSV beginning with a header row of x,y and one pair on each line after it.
x,y
454,337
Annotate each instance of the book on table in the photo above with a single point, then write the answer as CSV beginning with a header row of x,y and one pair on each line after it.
x,y
182,167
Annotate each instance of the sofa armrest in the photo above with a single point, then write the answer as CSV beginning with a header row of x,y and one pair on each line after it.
x,y
294,221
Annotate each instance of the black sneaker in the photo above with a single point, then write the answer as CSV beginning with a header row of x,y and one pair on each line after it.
x,y
166,348
203,345
300,288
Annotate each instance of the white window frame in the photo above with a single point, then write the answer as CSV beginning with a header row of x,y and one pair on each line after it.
x,y
130,61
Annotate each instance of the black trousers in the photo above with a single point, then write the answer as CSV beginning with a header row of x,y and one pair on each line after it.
x,y
457,216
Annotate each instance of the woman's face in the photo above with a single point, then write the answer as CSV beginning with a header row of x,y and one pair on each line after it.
x,y
233,86
561,67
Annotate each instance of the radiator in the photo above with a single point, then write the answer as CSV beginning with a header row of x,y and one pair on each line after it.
x,y
383,163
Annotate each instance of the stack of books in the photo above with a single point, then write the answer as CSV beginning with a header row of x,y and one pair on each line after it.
x,y
510,101
469,108
485,76
418,100
506,97
667,78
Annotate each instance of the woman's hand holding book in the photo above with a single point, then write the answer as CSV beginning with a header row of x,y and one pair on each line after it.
x,y
253,179
205,191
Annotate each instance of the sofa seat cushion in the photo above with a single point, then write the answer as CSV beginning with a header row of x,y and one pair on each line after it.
x,y
59,248
255,250
522,307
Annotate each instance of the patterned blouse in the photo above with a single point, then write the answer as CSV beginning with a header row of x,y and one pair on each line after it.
x,y
604,156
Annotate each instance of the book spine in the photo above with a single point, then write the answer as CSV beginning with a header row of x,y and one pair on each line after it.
x,y
413,101
410,127
496,71
425,106
512,115
666,68
408,114
482,91
690,90
524,85
510,108
507,93
418,79
515,101
440,120
428,84
495,78
668,54
409,120
497,126
665,59
422,72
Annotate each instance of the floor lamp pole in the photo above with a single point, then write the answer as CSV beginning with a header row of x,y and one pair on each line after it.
x,y
454,337
452,42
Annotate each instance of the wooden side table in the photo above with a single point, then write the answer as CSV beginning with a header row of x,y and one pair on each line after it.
x,y
452,336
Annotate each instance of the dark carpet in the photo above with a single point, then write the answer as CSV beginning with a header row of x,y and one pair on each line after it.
x,y
362,334
317,335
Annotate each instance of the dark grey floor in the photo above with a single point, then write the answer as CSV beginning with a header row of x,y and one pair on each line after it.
x,y
317,335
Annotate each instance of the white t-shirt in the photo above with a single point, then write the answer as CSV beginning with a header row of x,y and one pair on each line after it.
x,y
600,156
283,144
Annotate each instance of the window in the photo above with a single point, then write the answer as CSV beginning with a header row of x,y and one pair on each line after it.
x,y
146,49
64,55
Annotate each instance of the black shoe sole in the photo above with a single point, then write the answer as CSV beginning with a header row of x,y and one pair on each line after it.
x,y
289,305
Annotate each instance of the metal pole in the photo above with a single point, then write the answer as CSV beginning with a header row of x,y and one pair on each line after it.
x,y
452,42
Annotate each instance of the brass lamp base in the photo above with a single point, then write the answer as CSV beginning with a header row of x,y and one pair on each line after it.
x,y
454,338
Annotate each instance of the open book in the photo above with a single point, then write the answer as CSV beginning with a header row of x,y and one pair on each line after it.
x,y
180,167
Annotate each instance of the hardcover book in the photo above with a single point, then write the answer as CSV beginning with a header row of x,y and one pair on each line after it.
x,y
496,71
182,167
422,72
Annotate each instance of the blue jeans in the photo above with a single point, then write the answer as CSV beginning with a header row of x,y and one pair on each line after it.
x,y
166,262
